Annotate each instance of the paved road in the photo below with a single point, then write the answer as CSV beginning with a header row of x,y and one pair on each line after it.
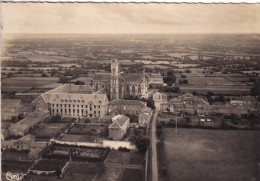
x,y
154,150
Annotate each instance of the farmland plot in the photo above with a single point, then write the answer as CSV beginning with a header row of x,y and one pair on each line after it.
x,y
198,154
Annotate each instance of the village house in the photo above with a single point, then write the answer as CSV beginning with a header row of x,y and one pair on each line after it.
x,y
184,103
155,80
119,127
159,98
123,106
25,125
73,101
10,109
145,116
245,102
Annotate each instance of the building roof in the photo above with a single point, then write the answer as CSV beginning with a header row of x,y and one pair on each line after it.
x,y
72,94
134,77
154,76
27,139
146,110
119,121
96,99
104,77
101,91
127,102
26,123
68,88
143,116
10,105
83,79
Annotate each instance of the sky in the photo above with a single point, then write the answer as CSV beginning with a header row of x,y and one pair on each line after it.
x,y
129,18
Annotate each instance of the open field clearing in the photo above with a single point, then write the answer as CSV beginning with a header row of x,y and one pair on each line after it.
x,y
227,90
199,154
44,58
27,82
127,158
16,166
210,81
158,66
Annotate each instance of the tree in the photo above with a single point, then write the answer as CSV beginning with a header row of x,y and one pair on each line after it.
x,y
78,82
184,81
142,143
169,79
9,75
255,91
63,79
150,103
188,71
58,172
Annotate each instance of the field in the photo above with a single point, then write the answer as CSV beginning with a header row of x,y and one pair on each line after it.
x,y
132,175
16,166
198,154
128,158
44,58
227,90
49,165
22,83
88,129
15,155
78,138
158,66
49,130
205,81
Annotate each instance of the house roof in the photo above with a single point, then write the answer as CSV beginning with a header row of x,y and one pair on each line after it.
x,y
119,121
143,116
26,123
127,102
8,104
27,139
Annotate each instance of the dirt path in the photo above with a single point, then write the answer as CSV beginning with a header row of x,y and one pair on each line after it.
x,y
154,150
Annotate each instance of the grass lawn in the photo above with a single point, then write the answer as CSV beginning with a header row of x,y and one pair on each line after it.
x,y
219,155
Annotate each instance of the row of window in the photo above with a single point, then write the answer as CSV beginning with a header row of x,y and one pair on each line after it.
x,y
65,100
74,112
69,105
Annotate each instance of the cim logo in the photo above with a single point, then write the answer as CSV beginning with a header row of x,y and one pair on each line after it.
x,y
14,176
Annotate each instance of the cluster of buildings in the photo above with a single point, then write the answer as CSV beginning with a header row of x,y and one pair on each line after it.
x,y
102,99
190,104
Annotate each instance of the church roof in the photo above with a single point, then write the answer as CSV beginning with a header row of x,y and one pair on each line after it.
x,y
127,102
101,77
134,77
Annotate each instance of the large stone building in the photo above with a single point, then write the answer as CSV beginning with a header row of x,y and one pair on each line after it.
x,y
73,101
121,85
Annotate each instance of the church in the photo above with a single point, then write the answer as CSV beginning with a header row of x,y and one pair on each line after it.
x,y
121,85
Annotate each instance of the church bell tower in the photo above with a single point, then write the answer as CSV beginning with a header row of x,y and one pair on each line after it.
x,y
114,80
